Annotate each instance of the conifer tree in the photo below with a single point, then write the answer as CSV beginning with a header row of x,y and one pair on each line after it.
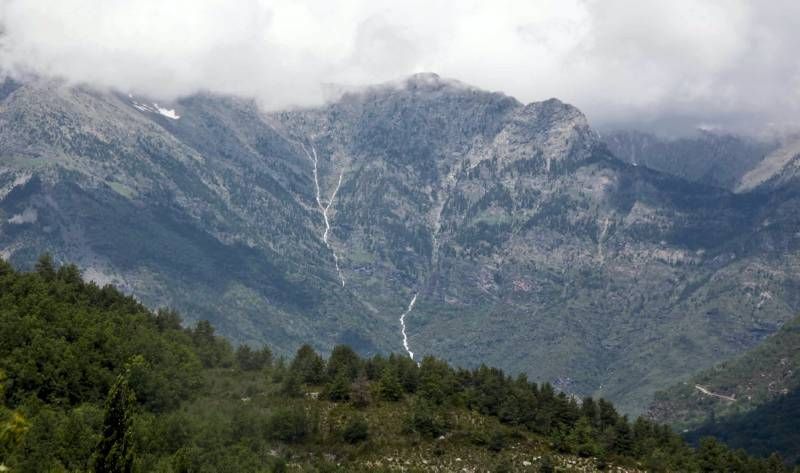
x,y
339,388
114,453
308,365
389,386
343,361
13,424
45,267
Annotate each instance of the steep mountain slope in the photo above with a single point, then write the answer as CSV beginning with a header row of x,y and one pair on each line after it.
x,y
516,228
709,158
779,169
210,202
751,400
520,239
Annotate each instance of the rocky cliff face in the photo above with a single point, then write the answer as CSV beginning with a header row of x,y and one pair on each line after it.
x,y
521,239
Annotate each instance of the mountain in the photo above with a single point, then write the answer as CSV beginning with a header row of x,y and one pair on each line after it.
x,y
422,215
711,158
780,168
209,212
753,400
90,380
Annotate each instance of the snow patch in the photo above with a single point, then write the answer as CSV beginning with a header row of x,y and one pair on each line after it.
x,y
167,112
154,108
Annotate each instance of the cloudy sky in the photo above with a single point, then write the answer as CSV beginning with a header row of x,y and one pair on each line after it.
x,y
675,64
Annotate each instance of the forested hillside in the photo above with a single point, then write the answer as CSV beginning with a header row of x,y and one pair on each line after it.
x,y
752,400
94,381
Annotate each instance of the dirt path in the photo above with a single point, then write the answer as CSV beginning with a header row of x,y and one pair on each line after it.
x,y
709,393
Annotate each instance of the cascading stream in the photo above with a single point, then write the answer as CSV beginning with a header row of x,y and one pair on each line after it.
x,y
403,325
325,208
450,181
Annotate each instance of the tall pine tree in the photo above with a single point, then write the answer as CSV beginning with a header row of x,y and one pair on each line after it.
x,y
114,452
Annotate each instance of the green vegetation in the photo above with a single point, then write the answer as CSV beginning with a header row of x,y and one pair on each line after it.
x,y
771,427
96,382
755,403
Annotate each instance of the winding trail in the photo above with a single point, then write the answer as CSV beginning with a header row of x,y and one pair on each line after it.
x,y
325,208
713,394
403,325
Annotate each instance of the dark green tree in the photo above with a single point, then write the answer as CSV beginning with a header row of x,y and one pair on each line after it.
x,y
289,424
356,430
45,267
114,453
389,385
583,440
775,464
13,426
623,438
424,419
711,455
338,389
343,361
291,385
168,319
435,380
248,359
308,365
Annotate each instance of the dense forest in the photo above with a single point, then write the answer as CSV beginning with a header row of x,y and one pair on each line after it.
x,y
91,380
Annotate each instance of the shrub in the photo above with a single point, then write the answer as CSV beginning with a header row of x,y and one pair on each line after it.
x,y
356,430
425,421
288,425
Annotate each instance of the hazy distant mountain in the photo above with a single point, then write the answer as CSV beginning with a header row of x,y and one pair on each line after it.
x,y
707,157
521,240
779,169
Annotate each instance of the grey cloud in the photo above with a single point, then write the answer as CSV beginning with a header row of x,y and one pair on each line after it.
x,y
676,65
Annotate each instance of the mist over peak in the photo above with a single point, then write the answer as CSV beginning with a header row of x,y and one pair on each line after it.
x,y
721,64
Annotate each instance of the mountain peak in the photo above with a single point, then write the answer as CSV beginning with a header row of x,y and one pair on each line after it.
x,y
424,78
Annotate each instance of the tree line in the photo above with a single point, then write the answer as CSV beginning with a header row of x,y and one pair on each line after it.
x,y
91,380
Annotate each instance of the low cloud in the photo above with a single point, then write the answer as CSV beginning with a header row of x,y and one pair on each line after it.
x,y
29,215
669,65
